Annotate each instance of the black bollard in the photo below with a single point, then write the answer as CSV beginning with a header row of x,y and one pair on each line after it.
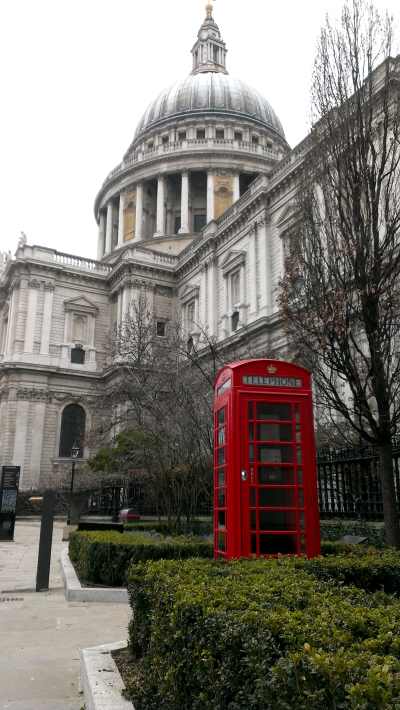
x,y
46,537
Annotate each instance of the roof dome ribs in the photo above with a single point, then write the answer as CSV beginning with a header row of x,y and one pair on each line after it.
x,y
208,90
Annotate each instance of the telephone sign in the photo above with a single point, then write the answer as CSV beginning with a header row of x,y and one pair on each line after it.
x,y
9,484
265,482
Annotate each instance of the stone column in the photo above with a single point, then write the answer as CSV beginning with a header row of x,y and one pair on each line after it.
x,y
31,316
20,438
109,227
212,298
203,298
160,228
139,213
264,266
121,220
185,204
252,265
101,237
39,419
210,196
47,316
125,301
236,187
8,350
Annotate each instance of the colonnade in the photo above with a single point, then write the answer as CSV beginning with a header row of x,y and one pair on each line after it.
x,y
107,215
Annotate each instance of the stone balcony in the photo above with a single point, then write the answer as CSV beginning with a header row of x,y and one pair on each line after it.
x,y
191,146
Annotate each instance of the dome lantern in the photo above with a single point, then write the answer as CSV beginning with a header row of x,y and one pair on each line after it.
x,y
209,52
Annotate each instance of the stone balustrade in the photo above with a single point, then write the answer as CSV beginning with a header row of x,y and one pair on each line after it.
x,y
44,254
141,156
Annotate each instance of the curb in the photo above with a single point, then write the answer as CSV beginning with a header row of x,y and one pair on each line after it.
x,y
74,592
101,681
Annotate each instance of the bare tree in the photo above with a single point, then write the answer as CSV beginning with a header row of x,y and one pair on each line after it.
x,y
340,292
161,397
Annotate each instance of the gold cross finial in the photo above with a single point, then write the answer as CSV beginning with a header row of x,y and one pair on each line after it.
x,y
209,9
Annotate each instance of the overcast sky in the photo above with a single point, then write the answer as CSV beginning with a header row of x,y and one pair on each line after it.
x,y
76,75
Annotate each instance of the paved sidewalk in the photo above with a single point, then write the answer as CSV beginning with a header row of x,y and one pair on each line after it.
x,y
41,633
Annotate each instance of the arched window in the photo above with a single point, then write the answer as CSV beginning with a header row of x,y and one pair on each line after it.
x,y
73,423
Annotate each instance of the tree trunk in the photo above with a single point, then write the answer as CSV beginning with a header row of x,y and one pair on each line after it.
x,y
390,513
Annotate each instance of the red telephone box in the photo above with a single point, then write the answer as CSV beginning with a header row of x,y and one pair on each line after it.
x,y
265,482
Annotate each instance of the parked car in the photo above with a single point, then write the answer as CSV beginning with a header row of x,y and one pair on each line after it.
x,y
127,515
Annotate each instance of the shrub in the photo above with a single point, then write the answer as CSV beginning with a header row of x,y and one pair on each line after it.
x,y
256,635
369,569
104,557
334,529
195,527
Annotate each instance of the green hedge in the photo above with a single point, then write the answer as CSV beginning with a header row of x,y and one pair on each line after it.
x,y
370,569
258,635
103,558
196,527
334,529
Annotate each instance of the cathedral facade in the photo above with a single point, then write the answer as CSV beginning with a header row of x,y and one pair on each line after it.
x,y
197,213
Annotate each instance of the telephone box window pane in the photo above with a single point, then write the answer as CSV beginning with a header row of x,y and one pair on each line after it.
x,y
299,475
277,520
221,456
221,436
254,544
275,454
277,497
298,433
273,410
250,410
301,498
302,522
221,542
253,497
302,543
221,477
276,474
253,520
221,497
274,432
299,455
221,416
221,518
251,452
275,544
251,432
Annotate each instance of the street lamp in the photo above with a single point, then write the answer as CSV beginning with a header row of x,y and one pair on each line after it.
x,y
75,450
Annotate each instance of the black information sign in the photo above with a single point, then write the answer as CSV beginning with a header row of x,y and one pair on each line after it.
x,y
8,500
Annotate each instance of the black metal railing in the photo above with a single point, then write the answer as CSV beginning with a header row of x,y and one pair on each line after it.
x,y
349,483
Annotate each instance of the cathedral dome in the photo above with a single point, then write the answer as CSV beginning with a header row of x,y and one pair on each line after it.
x,y
209,92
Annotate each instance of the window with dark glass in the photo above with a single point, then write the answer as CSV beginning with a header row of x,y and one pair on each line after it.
x,y
238,136
177,224
160,328
165,140
220,134
235,321
182,136
200,221
73,422
78,355
201,133
255,140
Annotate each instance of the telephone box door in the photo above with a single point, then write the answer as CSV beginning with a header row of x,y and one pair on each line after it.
x,y
273,459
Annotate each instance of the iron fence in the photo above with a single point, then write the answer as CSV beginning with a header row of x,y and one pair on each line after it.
x,y
349,484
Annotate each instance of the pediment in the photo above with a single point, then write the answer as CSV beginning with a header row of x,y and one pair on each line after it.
x,y
189,291
288,216
80,304
233,260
